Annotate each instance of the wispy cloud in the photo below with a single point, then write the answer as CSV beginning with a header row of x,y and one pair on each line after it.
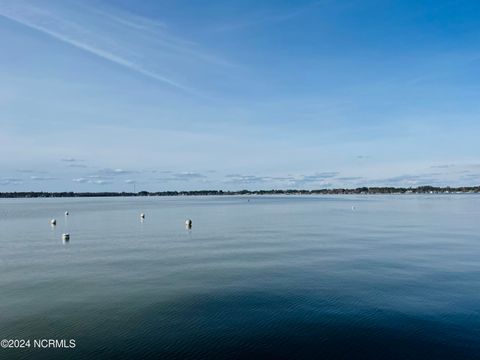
x,y
92,181
81,180
350,178
246,179
133,21
471,176
182,176
317,177
90,30
409,180
10,181
290,180
31,171
107,172
189,175
262,18
101,182
442,166
42,178
74,163
106,176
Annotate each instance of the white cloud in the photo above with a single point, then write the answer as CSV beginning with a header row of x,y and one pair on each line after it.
x,y
92,181
42,178
10,181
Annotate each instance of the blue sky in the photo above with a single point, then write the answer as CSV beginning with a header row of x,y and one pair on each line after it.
x,y
186,95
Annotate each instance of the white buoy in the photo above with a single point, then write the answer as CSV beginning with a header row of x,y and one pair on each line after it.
x,y
142,216
66,213
53,222
66,237
188,224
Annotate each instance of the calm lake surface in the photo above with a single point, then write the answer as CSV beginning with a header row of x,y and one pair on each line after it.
x,y
394,277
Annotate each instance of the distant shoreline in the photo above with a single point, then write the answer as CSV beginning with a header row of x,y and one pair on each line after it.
x,y
339,191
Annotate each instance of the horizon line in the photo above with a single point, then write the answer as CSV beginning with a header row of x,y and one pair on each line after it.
x,y
421,189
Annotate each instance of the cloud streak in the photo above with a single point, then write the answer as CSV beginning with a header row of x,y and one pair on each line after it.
x,y
182,176
290,180
261,19
107,172
410,180
42,178
60,25
26,20
10,181
92,181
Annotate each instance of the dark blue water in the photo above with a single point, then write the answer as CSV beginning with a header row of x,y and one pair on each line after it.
x,y
394,277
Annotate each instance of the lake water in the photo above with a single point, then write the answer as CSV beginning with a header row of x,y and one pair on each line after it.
x,y
394,277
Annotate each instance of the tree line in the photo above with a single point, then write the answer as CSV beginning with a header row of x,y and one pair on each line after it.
x,y
360,190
